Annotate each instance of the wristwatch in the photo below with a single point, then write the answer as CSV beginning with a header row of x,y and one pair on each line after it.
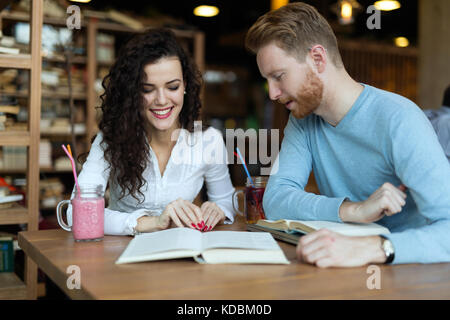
x,y
388,249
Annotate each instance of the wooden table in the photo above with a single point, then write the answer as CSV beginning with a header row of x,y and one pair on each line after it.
x,y
55,250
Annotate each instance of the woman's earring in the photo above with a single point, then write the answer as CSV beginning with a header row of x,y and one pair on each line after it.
x,y
185,92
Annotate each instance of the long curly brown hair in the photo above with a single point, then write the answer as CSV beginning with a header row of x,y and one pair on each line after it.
x,y
123,123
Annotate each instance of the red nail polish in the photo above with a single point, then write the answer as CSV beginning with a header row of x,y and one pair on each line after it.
x,y
210,227
203,223
193,225
199,225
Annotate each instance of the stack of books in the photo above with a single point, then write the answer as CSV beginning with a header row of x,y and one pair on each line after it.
x,y
9,109
50,192
14,157
77,81
105,48
8,81
63,126
8,45
45,154
7,199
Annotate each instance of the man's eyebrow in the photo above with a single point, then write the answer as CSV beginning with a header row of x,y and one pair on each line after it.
x,y
151,84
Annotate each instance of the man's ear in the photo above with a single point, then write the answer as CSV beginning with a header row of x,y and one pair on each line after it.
x,y
319,57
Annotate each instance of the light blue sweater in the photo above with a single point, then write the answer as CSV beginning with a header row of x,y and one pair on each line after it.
x,y
383,138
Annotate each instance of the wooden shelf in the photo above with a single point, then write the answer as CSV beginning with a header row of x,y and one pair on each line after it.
x,y
14,215
64,135
14,138
47,94
19,61
35,95
25,17
11,287
77,60
42,170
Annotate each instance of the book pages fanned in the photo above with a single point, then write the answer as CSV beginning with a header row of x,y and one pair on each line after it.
x,y
211,247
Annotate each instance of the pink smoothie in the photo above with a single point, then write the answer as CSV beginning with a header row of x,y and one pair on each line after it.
x,y
88,218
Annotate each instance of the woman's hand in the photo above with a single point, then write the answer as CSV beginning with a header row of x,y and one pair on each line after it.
x,y
212,215
183,214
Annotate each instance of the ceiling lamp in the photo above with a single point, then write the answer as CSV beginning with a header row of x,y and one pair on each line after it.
x,y
82,1
206,11
387,5
401,42
345,10
275,4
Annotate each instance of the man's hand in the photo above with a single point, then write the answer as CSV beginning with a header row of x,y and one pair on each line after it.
x,y
325,248
387,200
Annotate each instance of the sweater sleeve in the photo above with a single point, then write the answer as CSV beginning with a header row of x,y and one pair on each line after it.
x,y
284,197
421,165
96,172
217,177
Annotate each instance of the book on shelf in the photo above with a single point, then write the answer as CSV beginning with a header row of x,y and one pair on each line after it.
x,y
105,48
6,254
7,50
62,163
45,154
11,125
214,247
10,109
9,200
305,227
14,157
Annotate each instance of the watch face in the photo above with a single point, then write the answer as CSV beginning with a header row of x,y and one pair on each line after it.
x,y
388,247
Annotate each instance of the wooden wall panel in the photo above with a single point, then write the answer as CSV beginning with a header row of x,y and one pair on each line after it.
x,y
382,66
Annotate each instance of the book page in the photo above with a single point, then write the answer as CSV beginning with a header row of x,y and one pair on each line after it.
x,y
239,240
349,229
274,224
166,240
217,256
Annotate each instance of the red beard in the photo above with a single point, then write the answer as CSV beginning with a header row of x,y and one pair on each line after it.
x,y
309,96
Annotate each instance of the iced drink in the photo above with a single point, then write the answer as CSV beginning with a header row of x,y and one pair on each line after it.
x,y
254,208
88,218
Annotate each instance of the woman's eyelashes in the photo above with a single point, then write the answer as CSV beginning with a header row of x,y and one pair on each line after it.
x,y
147,90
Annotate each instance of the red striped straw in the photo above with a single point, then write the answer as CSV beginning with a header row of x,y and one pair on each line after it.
x,y
69,154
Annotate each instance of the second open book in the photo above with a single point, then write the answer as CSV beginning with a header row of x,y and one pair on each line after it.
x,y
304,227
210,247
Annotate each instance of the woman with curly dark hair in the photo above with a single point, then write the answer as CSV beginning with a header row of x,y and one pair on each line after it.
x,y
147,148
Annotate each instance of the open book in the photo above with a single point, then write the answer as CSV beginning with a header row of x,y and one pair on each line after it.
x,y
345,228
211,247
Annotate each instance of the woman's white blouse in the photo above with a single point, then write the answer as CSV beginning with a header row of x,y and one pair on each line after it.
x,y
197,157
